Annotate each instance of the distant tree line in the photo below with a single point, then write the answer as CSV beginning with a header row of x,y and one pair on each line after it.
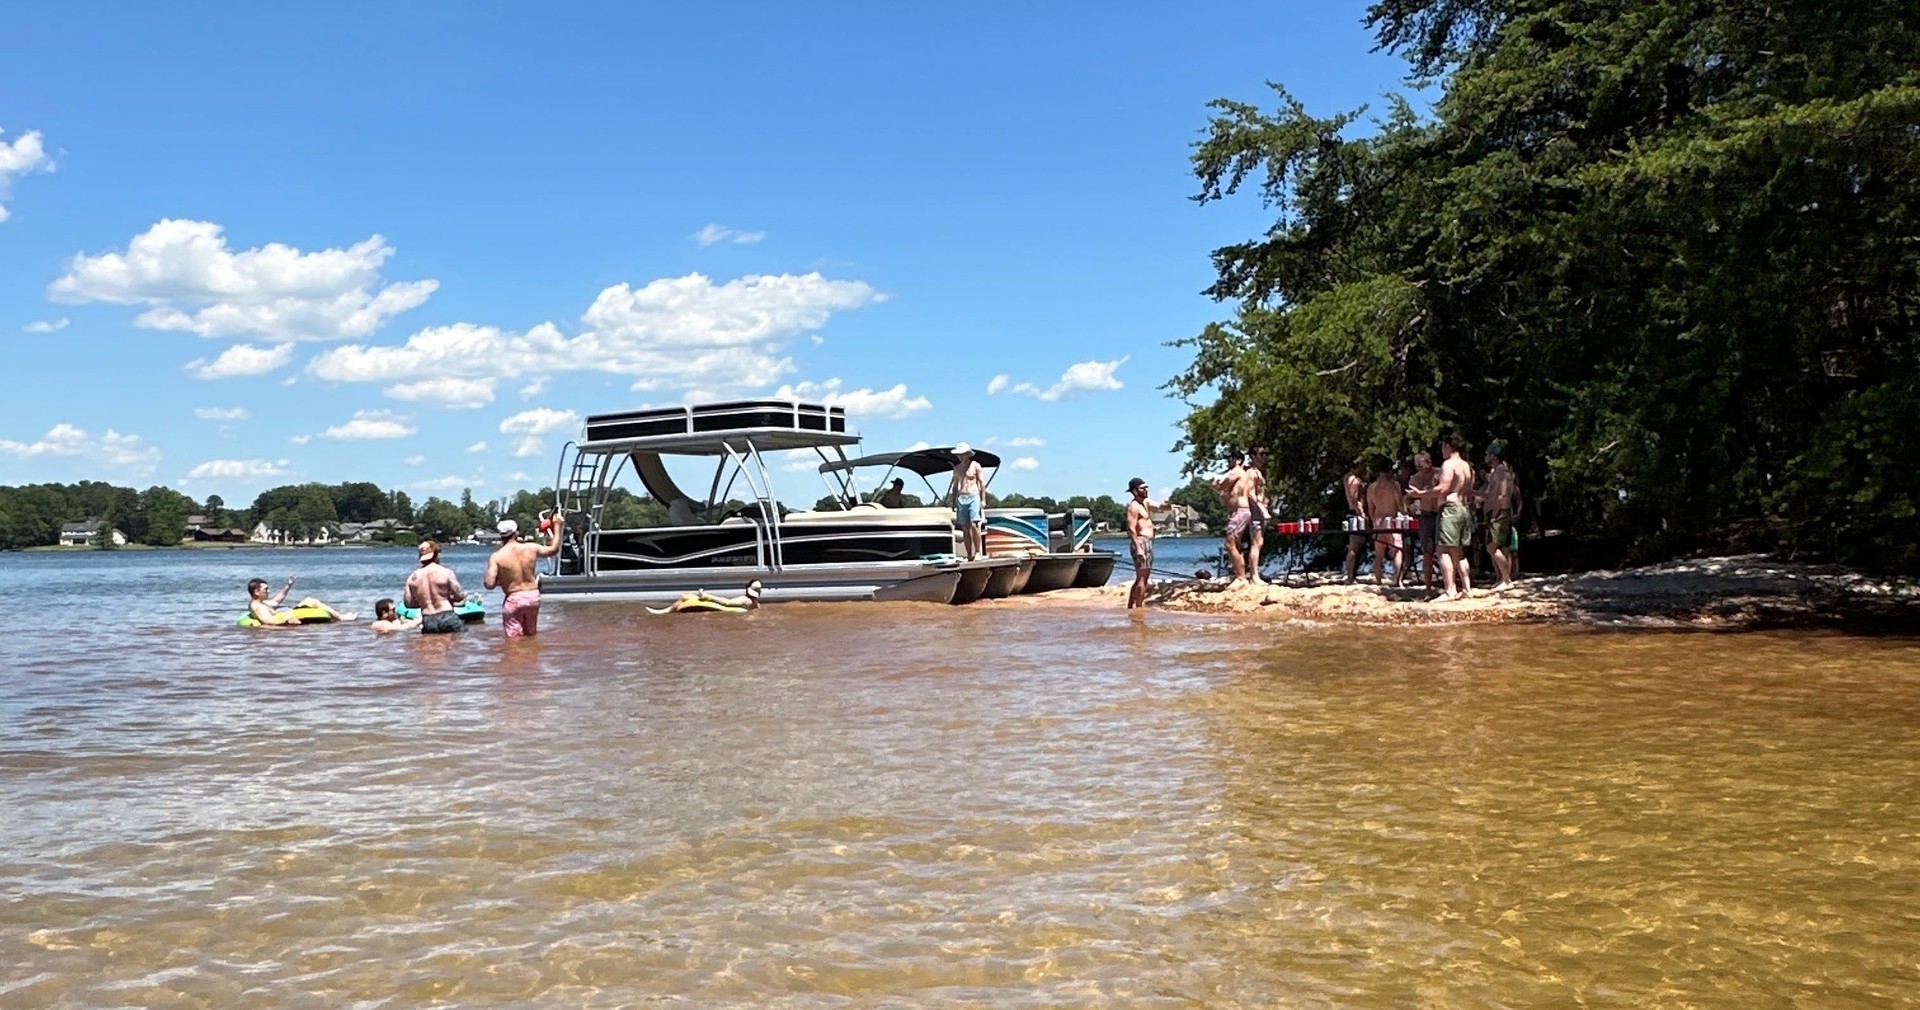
x,y
1665,250
31,516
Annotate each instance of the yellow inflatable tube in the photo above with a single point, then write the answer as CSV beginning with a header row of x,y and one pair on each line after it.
x,y
307,615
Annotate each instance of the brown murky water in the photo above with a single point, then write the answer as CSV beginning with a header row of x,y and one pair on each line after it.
x,y
905,806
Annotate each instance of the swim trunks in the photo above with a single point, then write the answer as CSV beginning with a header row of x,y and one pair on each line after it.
x,y
445,622
1456,525
1237,523
520,614
1501,522
1429,530
966,510
1143,556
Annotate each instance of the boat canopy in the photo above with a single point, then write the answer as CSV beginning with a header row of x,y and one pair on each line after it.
x,y
719,429
925,462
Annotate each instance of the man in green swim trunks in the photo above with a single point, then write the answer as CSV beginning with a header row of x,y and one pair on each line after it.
x,y
1498,499
1456,521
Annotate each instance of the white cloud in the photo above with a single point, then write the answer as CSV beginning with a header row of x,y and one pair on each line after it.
x,y
369,424
47,325
715,233
300,439
445,391
120,452
18,158
448,483
229,469
673,333
1081,377
222,413
520,475
535,388
539,421
891,403
241,360
1025,441
1026,463
480,446
529,445
190,281
414,460
917,446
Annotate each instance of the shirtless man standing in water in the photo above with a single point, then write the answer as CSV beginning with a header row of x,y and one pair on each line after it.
x,y
433,589
511,570
1233,489
1139,541
1456,522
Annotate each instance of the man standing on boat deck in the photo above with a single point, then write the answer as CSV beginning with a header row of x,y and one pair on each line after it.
x,y
511,570
1456,521
968,495
1139,541
1233,490
433,589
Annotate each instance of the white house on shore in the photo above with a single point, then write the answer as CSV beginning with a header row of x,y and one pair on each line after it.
x,y
85,533
266,533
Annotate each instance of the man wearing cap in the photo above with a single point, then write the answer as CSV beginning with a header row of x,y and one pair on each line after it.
x,y
433,590
1139,541
511,570
1497,499
1235,492
967,494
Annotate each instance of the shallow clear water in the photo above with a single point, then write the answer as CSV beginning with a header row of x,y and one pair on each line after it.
x,y
868,805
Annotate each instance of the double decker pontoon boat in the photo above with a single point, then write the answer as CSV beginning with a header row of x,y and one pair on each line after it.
x,y
737,531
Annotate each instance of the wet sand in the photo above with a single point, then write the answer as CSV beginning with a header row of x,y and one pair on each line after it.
x,y
1727,593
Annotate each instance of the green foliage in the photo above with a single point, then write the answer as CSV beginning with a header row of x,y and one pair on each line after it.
x,y
442,520
1665,250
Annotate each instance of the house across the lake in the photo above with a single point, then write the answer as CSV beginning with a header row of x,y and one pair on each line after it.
x,y
85,533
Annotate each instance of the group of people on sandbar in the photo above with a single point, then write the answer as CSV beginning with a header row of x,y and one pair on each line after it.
x,y
1386,503
433,591
1440,504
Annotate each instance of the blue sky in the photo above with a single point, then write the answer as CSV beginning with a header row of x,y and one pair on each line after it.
x,y
415,243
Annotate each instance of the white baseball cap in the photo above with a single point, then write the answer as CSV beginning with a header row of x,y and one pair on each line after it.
x,y
507,526
962,449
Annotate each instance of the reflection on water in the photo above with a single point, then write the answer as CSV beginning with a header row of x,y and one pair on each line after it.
x,y
871,805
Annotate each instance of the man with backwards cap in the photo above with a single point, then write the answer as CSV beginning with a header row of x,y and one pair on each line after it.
x,y
433,589
968,495
511,570
1139,541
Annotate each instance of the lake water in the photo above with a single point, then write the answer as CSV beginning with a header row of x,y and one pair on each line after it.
x,y
922,806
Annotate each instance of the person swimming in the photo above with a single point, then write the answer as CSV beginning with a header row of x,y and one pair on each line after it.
x,y
263,607
702,601
387,618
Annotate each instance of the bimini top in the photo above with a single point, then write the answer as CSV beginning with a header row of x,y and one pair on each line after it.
x,y
925,462
712,429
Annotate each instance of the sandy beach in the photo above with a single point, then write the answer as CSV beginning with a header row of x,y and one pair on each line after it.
x,y
1722,593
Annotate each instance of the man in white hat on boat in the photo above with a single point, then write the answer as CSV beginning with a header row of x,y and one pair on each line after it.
x,y
968,495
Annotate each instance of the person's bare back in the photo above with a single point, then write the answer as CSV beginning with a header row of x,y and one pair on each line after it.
x,y
1383,498
433,588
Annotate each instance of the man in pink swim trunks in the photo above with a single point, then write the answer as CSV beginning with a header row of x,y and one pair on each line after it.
x,y
511,570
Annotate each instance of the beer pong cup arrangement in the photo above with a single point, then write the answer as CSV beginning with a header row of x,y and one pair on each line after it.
x,y
1298,526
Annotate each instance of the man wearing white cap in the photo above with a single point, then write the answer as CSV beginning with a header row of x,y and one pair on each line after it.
x,y
968,495
511,570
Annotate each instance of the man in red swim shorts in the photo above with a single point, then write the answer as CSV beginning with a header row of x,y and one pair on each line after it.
x,y
511,570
